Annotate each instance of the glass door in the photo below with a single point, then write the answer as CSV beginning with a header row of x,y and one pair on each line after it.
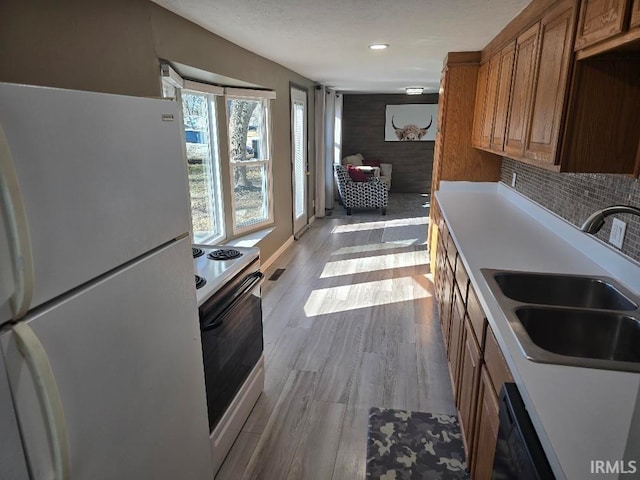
x,y
299,157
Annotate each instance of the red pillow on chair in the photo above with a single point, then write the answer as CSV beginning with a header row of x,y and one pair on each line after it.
x,y
355,174
371,163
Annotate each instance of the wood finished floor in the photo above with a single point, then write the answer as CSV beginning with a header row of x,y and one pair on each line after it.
x,y
350,325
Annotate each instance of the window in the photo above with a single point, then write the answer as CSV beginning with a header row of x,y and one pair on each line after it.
x,y
250,161
203,165
202,154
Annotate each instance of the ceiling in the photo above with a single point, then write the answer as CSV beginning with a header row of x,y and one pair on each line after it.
x,y
327,40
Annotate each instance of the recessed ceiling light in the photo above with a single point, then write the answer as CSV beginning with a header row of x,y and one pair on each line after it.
x,y
378,46
414,90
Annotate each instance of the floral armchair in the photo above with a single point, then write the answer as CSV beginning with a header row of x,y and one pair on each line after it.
x,y
370,194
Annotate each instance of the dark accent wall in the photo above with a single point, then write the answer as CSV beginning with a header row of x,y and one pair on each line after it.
x,y
363,119
575,196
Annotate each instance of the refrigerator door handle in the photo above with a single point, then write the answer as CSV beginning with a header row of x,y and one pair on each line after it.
x,y
17,231
48,395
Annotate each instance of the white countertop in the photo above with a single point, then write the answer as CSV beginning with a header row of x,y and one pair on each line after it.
x,y
580,414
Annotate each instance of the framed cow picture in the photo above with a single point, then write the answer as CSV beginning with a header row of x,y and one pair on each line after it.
x,y
414,122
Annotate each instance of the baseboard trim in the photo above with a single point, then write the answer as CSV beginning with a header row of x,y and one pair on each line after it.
x,y
269,261
312,219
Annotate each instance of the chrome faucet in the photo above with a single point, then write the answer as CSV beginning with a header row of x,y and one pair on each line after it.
x,y
596,220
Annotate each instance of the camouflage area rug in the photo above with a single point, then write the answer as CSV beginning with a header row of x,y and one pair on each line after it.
x,y
406,445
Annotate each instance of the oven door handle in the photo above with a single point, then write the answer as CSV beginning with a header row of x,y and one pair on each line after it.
x,y
245,287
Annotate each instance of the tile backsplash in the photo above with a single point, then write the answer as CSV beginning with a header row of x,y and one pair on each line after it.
x,y
575,196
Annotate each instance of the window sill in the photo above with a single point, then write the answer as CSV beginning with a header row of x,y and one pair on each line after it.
x,y
250,239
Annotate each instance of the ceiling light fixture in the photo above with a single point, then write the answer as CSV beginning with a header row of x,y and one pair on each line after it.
x,y
378,46
414,90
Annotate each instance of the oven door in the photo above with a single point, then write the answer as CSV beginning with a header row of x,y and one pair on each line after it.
x,y
231,324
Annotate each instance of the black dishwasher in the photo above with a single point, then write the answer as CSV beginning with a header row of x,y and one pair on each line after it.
x,y
519,454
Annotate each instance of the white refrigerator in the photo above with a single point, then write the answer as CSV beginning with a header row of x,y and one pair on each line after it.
x,y
101,373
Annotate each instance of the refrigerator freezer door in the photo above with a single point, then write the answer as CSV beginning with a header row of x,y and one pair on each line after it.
x,y
102,180
127,360
12,461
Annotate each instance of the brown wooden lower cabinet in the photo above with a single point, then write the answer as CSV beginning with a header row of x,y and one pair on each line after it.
x,y
468,387
447,300
497,367
476,364
486,429
455,339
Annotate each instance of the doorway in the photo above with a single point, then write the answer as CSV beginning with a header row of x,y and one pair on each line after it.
x,y
299,165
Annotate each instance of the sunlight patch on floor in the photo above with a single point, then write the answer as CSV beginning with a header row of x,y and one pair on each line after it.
x,y
374,247
400,222
373,264
364,295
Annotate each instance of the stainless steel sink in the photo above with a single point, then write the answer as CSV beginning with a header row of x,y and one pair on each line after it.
x,y
574,320
578,333
565,290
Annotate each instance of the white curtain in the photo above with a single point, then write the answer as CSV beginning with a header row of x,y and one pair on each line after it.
x,y
328,145
320,150
337,129
329,154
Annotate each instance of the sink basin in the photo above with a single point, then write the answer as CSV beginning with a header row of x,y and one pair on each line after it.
x,y
569,319
565,290
583,333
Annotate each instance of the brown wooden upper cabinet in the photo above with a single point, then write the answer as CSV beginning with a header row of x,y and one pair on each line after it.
x,y
635,15
503,94
549,87
493,76
480,110
492,100
600,20
523,74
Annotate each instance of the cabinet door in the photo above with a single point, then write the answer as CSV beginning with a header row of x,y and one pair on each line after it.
x,y
480,106
439,269
635,14
524,67
477,318
493,76
550,84
502,97
447,297
455,340
486,429
468,387
497,367
599,20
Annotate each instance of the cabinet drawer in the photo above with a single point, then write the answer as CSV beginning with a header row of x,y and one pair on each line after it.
x,y
477,318
496,364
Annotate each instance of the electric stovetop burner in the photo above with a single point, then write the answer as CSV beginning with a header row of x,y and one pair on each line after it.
x,y
200,282
224,254
197,252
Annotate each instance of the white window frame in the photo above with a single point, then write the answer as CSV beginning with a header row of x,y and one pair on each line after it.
x,y
177,85
264,97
